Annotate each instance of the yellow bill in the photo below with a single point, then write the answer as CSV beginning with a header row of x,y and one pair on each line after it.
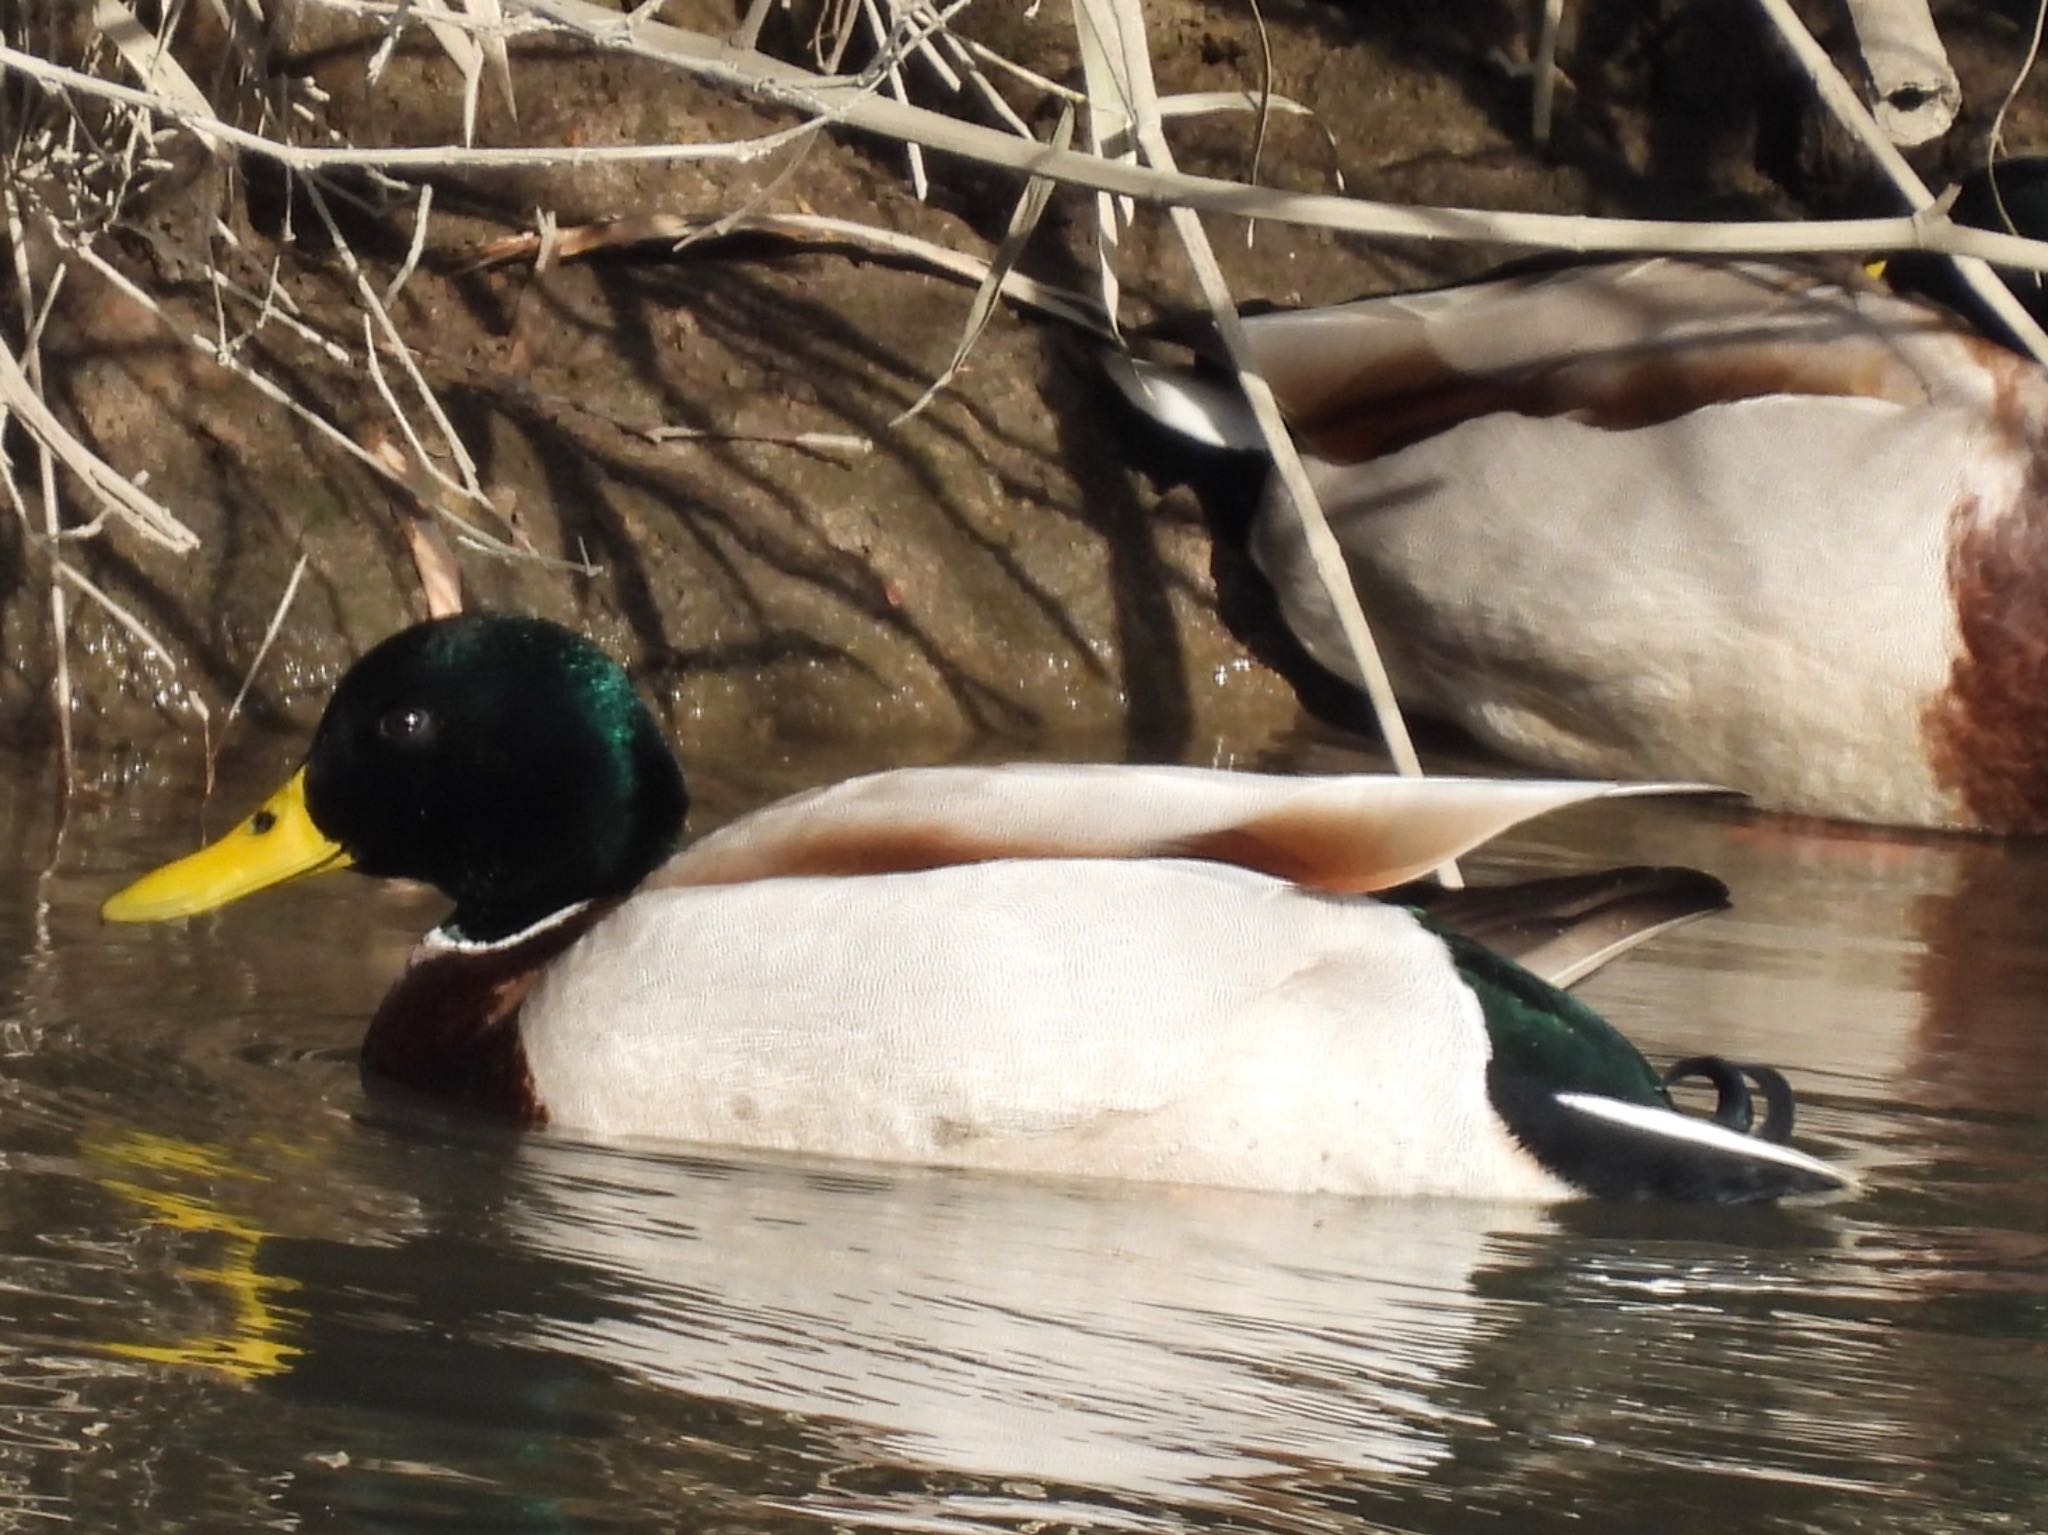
x,y
277,843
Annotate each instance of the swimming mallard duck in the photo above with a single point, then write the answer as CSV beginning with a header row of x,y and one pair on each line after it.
x,y
1729,522
1145,973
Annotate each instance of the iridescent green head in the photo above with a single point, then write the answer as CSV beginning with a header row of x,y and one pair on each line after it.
x,y
504,760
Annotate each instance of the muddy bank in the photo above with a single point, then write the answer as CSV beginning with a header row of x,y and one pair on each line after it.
x,y
1013,564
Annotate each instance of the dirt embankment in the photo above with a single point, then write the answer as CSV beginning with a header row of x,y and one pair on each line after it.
x,y
1014,563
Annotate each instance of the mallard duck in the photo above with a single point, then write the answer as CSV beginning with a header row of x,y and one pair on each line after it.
x,y
1139,973
1722,521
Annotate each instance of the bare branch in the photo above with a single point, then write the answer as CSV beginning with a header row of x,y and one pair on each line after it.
x,y
1065,304
1023,221
284,603
854,104
1841,99
143,512
1124,21
419,244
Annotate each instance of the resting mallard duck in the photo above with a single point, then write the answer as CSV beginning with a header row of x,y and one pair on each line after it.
x,y
1728,522
1146,973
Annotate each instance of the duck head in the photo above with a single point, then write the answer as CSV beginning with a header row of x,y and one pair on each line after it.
x,y
503,760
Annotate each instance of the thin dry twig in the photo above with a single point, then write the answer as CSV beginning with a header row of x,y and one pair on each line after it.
x,y
749,33
1110,110
850,103
1265,103
142,636
284,603
1841,99
32,379
852,444
116,491
984,87
853,103
147,54
377,320
892,71
1023,222
667,229
1123,20
1545,67
324,428
206,125
432,560
413,252
117,612
1994,142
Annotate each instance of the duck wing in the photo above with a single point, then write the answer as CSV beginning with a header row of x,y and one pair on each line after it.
x,y
1611,344
1346,834
1566,927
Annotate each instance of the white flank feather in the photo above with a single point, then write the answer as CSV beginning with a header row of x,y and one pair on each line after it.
x,y
1160,1021
1671,601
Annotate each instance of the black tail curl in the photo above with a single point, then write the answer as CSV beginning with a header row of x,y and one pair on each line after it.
x,y
1733,1109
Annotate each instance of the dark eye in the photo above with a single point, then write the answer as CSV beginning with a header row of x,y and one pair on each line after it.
x,y
407,725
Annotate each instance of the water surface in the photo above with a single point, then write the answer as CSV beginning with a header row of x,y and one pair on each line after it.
x,y
239,1295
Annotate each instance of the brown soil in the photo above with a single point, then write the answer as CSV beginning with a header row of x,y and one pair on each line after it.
x,y
1014,565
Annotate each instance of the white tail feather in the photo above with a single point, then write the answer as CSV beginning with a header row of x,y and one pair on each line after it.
x,y
1700,1132
1204,410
